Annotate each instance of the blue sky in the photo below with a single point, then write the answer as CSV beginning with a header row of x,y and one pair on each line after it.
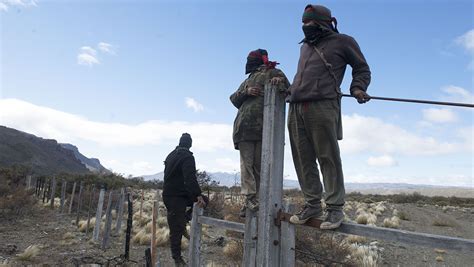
x,y
123,79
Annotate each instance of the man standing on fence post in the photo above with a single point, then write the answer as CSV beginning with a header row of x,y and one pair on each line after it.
x,y
180,190
248,124
314,118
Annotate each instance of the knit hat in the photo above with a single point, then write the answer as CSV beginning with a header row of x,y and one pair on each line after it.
x,y
321,14
185,140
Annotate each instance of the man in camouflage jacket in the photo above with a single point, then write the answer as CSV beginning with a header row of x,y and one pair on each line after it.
x,y
248,124
314,118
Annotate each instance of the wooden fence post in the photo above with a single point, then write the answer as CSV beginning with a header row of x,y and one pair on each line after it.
x,y
53,191
129,226
195,242
288,239
91,197
108,222
63,194
28,181
271,184
72,197
118,225
153,234
250,239
79,203
46,190
98,215
141,206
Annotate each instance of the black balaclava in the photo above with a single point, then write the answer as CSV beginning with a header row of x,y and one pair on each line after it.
x,y
323,26
185,140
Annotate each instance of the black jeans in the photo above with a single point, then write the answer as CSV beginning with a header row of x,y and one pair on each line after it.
x,y
177,219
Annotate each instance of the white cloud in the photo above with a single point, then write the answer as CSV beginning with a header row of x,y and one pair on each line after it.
x,y
467,41
193,104
142,167
457,94
87,56
5,4
439,115
106,48
66,127
226,165
382,161
369,134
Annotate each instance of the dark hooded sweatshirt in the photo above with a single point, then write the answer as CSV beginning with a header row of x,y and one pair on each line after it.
x,y
314,82
180,174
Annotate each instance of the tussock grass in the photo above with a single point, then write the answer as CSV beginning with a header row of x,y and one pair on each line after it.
x,y
234,250
441,222
162,237
393,222
440,251
362,218
439,259
29,254
83,225
68,235
403,216
351,239
365,256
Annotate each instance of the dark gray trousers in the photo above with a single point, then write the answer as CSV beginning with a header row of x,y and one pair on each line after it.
x,y
313,136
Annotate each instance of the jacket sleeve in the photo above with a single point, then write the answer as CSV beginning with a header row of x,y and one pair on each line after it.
x,y
239,96
360,68
190,181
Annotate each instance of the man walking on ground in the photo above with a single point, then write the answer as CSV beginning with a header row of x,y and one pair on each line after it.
x,y
248,124
314,118
180,190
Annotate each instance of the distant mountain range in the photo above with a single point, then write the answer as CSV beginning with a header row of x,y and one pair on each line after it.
x,y
44,156
228,179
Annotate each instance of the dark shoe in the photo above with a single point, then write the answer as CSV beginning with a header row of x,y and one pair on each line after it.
x,y
242,212
333,220
179,262
252,204
306,213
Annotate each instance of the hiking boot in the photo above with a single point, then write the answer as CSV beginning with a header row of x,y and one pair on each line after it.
x,y
242,212
252,204
179,262
333,220
306,213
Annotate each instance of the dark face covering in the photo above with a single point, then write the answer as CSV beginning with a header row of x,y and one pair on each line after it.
x,y
314,32
252,65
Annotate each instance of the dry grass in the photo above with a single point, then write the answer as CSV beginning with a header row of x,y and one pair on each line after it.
x,y
83,225
68,235
351,239
439,259
403,216
393,222
234,251
440,251
365,256
362,218
29,254
441,222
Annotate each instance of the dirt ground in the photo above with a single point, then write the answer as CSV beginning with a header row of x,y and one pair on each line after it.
x,y
48,228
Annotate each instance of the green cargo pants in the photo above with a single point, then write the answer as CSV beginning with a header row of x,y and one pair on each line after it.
x,y
250,164
313,128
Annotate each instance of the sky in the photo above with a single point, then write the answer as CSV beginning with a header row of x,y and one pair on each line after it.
x,y
123,79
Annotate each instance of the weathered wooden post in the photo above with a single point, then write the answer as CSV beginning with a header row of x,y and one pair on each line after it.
x,y
28,182
141,206
63,194
72,197
129,226
118,225
79,203
195,242
46,190
250,239
153,234
98,215
91,197
108,222
288,239
271,184
53,191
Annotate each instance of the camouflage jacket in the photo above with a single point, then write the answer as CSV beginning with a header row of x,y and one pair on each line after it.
x,y
249,121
